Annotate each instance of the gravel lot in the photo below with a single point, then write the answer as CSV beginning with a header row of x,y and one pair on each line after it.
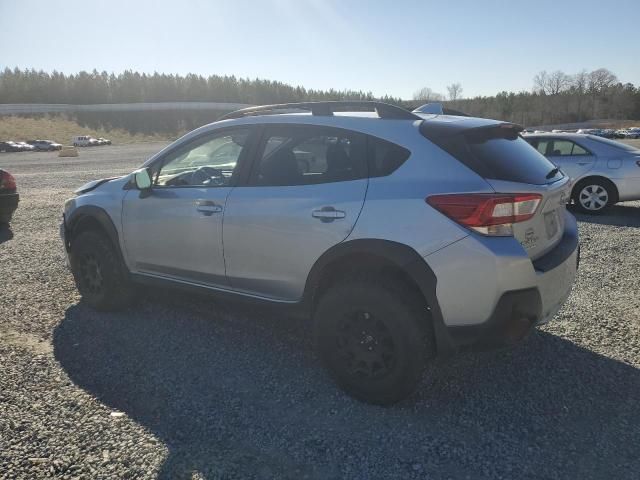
x,y
184,387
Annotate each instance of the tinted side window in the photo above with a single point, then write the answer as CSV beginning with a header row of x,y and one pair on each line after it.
x,y
305,155
384,157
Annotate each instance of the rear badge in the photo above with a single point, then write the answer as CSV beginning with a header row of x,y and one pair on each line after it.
x,y
530,239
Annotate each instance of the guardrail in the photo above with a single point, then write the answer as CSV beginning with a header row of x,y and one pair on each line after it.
x,y
18,108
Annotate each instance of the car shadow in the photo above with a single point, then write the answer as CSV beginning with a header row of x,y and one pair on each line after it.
x,y
241,395
616,215
6,233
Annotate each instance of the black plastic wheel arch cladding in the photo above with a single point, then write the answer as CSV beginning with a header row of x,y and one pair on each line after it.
x,y
397,255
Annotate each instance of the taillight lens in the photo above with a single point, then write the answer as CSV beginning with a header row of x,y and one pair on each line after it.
x,y
488,214
7,182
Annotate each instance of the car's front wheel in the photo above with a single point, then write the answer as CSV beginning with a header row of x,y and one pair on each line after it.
x,y
99,272
373,339
593,196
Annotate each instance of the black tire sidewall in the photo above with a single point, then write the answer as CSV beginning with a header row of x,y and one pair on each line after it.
x,y
115,293
401,317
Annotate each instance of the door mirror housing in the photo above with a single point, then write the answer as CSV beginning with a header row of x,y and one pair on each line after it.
x,y
142,179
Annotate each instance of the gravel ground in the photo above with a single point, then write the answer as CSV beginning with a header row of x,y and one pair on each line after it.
x,y
185,387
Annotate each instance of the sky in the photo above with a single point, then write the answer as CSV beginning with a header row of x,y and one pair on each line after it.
x,y
386,47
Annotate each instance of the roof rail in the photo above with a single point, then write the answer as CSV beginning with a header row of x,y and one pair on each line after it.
x,y
438,109
384,110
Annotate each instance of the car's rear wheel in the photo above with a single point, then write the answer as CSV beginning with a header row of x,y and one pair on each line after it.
x,y
593,196
373,339
99,272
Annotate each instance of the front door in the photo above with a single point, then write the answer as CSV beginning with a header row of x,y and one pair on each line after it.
x,y
175,229
304,196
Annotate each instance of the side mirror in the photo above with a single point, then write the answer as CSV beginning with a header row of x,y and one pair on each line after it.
x,y
142,179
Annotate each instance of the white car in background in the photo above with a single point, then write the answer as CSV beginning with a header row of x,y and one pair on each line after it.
x,y
604,171
632,133
84,141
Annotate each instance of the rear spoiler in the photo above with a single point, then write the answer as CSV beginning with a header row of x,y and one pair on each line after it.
x,y
438,109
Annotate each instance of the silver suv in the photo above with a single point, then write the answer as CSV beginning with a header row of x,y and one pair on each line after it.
x,y
400,235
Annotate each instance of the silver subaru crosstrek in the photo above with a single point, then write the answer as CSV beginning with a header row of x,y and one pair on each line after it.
x,y
400,235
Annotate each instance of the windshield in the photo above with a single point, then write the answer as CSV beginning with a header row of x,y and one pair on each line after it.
x,y
612,143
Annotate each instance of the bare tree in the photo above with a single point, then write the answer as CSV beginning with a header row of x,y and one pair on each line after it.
x,y
540,82
580,81
600,79
455,91
551,83
598,82
557,82
579,85
425,94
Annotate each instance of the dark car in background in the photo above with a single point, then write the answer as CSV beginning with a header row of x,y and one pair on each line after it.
x,y
44,145
9,197
10,146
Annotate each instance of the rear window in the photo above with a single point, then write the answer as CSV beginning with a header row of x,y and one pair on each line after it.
x,y
499,154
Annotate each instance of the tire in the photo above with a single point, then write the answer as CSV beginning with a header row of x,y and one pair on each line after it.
x,y
100,275
373,340
5,219
593,196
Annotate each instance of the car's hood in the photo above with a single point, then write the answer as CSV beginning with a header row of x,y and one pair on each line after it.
x,y
87,187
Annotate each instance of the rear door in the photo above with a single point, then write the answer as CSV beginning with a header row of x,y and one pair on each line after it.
x,y
306,190
573,159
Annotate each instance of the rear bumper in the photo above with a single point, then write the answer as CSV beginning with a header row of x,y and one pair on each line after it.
x,y
490,293
8,203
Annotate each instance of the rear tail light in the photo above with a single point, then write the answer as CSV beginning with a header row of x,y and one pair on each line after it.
x,y
488,214
7,182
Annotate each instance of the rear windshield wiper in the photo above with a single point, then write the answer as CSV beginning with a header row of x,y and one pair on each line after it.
x,y
552,173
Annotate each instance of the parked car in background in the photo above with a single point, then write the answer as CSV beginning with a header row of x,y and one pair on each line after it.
x,y
45,145
10,146
632,133
104,141
9,197
84,141
25,147
604,171
350,218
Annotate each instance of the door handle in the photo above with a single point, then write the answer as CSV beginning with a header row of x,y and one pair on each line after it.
x,y
207,207
328,214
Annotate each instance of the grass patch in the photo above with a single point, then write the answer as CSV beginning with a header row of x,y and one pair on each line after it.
x,y
61,130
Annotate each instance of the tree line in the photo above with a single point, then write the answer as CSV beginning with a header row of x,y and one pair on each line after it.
x,y
37,86
555,98
560,98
